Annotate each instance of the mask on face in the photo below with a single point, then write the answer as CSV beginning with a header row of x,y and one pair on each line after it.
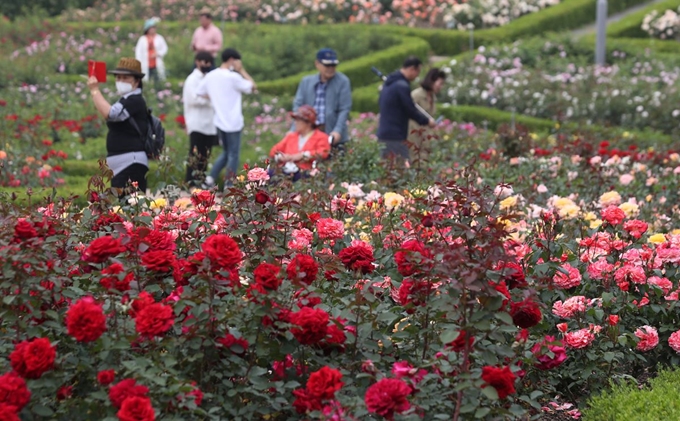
x,y
205,69
123,87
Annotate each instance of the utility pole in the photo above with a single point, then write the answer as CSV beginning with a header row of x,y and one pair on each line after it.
x,y
600,45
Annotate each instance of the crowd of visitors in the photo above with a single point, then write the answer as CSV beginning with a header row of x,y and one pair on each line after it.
x,y
212,99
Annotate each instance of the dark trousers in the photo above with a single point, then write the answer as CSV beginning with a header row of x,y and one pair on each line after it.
x,y
394,149
133,173
200,146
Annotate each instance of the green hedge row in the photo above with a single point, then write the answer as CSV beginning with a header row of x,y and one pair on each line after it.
x,y
569,14
358,70
631,25
627,402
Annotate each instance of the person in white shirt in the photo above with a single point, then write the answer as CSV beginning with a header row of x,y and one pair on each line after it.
x,y
150,50
224,87
198,117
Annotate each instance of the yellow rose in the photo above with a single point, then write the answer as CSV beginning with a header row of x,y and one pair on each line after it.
x,y
569,211
590,216
630,209
183,202
595,224
364,237
159,203
534,136
393,200
626,134
508,202
610,198
675,232
657,239
562,202
418,193
649,198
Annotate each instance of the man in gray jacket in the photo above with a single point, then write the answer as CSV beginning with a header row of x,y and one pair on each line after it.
x,y
330,93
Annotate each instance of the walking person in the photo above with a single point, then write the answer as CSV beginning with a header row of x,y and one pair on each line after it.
x,y
330,93
207,37
420,139
125,154
198,117
225,87
396,108
150,50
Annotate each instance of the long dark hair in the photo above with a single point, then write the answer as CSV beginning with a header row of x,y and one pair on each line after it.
x,y
431,77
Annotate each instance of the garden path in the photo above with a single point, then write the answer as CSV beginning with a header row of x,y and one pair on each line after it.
x,y
590,29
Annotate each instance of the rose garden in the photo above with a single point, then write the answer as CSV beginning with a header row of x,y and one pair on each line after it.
x,y
530,269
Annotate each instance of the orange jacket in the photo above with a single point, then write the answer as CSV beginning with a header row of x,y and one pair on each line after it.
x,y
317,145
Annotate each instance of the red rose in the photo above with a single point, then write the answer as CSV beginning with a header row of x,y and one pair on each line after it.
x,y
302,268
502,379
387,397
335,335
267,276
195,394
64,393
236,345
312,325
85,320
412,257
158,260
414,292
358,258
8,413
512,274
117,281
261,197
324,383
100,249
458,344
154,320
32,359
613,320
141,302
106,377
125,389
503,289
613,215
136,408
24,230
525,314
556,347
150,240
13,391
635,228
304,402
222,251
203,199
106,220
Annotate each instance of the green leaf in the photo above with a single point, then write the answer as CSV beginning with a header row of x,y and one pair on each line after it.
x,y
43,411
608,356
8,299
505,318
490,392
482,412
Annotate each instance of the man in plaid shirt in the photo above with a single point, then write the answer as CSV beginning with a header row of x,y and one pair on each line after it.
x,y
330,93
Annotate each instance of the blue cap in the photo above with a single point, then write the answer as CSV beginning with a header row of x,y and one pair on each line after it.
x,y
327,57
150,23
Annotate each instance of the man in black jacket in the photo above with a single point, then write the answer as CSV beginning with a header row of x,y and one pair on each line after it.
x,y
397,107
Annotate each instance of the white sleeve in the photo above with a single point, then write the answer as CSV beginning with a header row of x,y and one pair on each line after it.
x,y
139,49
190,93
243,85
202,88
161,47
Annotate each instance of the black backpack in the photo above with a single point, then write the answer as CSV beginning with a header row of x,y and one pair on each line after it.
x,y
154,141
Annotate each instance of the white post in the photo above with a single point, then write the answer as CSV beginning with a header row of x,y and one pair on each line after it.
x,y
472,37
600,46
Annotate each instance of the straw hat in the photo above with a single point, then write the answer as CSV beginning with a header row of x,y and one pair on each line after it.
x,y
128,66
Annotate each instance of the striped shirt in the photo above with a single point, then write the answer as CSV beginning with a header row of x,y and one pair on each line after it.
x,y
320,102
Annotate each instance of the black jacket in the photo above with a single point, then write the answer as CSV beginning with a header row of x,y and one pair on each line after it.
x,y
122,136
396,108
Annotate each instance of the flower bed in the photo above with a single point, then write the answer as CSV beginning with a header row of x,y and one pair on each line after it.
x,y
449,13
554,81
664,25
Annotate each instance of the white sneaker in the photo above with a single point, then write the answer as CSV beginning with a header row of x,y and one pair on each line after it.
x,y
209,183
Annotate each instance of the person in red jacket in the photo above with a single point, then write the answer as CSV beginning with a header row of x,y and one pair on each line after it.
x,y
301,147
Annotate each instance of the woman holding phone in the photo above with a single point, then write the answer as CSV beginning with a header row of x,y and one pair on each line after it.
x,y
126,120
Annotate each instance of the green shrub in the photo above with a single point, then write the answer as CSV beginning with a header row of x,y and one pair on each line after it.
x,y
627,402
631,25
14,9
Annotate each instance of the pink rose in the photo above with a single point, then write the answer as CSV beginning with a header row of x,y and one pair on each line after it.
x,y
546,362
569,307
600,269
628,273
662,283
579,339
331,229
567,280
613,215
674,341
635,228
649,338
258,174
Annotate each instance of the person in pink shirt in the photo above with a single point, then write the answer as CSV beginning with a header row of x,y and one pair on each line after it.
x,y
207,37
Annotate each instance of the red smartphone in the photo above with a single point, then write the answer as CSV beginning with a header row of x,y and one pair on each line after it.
x,y
97,69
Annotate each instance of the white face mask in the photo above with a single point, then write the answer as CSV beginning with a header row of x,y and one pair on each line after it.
x,y
123,87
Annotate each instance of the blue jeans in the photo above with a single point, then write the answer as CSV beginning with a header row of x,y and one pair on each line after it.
x,y
231,145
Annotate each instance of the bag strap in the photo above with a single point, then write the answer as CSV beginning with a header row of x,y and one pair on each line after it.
x,y
136,126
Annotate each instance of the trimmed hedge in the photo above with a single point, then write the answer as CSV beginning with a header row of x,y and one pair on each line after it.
x,y
357,70
628,403
569,14
631,25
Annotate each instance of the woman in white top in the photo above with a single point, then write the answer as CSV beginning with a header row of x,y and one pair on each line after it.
x,y
150,50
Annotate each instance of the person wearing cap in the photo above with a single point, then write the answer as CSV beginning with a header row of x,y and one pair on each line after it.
x,y
150,50
224,87
305,144
330,93
198,116
125,154
207,37
396,108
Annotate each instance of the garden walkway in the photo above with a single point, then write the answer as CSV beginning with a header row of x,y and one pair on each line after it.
x,y
590,29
